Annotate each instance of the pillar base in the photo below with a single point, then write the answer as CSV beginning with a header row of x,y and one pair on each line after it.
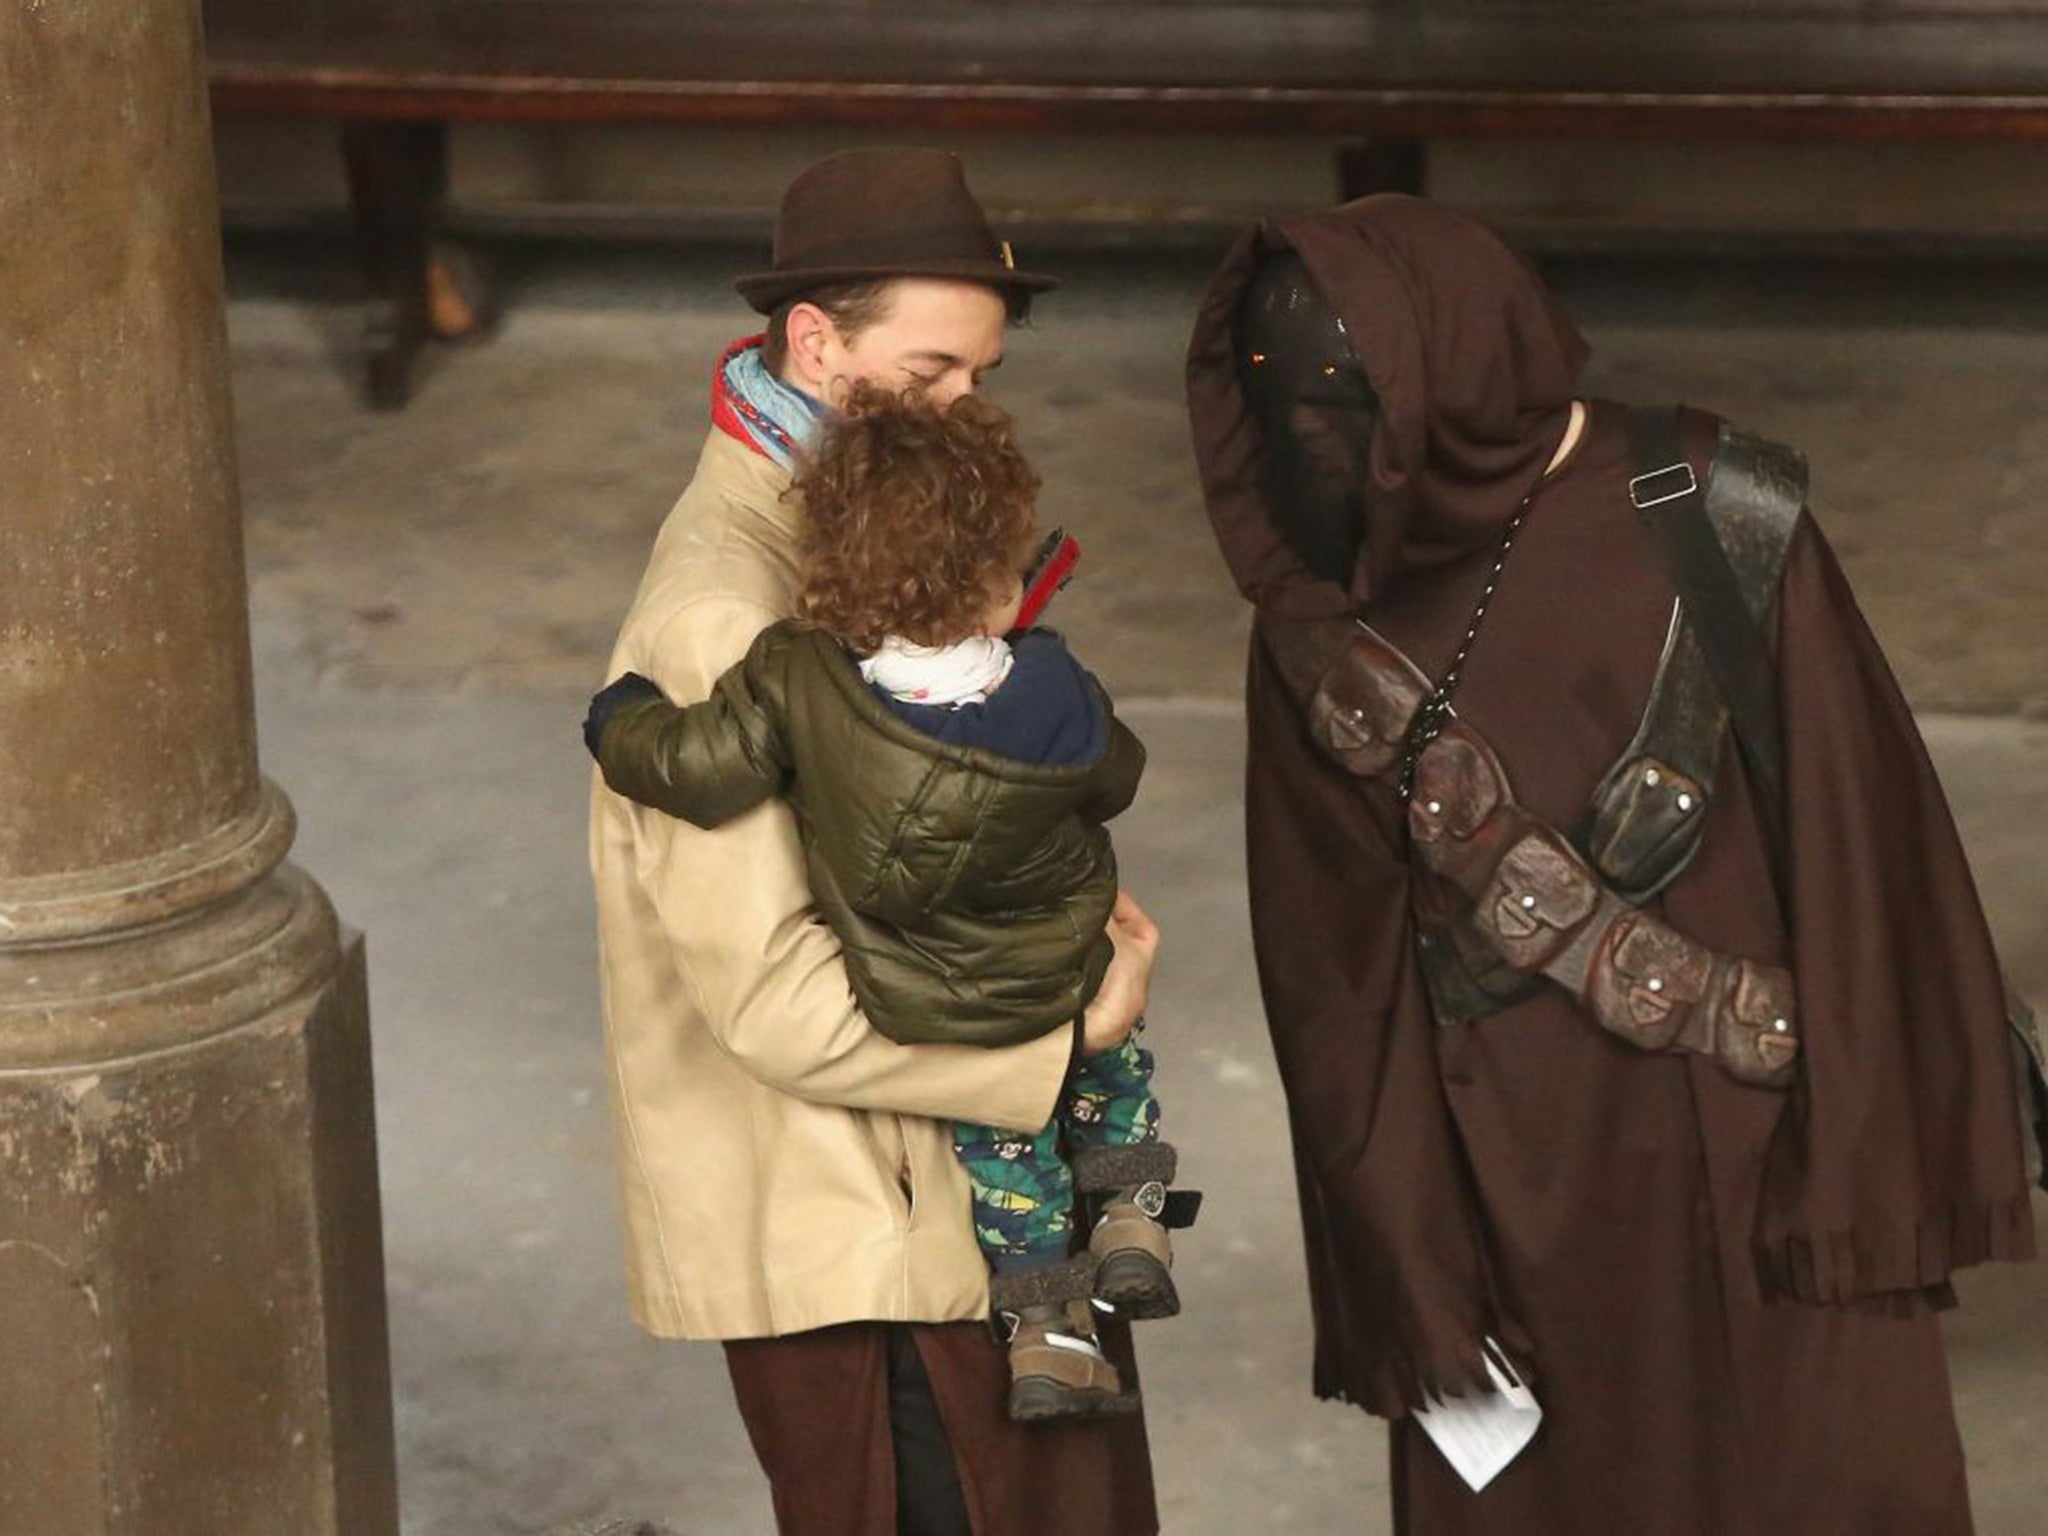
x,y
192,1322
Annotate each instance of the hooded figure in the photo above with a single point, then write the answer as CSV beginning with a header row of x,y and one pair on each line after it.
x,y
1722,1294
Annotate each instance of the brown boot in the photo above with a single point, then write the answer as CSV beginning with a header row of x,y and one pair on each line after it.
x,y
1057,1370
1132,1252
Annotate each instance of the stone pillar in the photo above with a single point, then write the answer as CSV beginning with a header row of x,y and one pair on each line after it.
x,y
192,1330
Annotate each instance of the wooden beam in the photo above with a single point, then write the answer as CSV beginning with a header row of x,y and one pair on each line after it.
x,y
252,90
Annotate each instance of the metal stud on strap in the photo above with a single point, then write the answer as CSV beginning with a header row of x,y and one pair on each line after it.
x,y
1670,483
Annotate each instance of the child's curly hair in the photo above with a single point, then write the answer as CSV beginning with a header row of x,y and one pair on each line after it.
x,y
913,515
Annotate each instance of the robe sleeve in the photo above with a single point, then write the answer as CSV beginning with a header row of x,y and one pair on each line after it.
x,y
1899,1159
1398,1279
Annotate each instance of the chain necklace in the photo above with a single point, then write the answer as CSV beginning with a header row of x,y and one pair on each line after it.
x,y
1435,711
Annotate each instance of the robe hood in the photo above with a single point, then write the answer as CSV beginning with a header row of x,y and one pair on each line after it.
x,y
1475,367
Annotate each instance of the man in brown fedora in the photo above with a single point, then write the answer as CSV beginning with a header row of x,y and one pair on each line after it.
x,y
789,1177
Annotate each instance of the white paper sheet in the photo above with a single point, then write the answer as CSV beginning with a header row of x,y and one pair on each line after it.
x,y
1480,1435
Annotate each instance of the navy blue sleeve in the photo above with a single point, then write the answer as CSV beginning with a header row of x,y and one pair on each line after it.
x,y
1045,712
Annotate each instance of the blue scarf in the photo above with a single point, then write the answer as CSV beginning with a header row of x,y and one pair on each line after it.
x,y
775,418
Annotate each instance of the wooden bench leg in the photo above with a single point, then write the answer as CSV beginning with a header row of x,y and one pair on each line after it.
x,y
398,181
1382,165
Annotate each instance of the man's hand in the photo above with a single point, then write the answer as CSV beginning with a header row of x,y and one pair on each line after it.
x,y
628,688
1120,1002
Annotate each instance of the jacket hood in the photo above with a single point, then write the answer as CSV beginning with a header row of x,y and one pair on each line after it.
x,y
1475,367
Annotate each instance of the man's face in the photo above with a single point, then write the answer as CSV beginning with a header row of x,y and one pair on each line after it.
x,y
941,337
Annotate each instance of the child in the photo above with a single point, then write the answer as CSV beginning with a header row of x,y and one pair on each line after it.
x,y
950,781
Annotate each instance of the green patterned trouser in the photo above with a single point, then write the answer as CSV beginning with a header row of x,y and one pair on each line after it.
x,y
1023,1191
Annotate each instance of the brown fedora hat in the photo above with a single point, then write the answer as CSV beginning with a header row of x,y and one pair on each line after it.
x,y
883,213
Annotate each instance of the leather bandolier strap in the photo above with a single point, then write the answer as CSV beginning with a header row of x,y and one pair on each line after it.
x,y
1536,903
1518,902
1645,820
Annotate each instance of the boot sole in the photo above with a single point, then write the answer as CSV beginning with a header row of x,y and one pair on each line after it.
x,y
1137,1285
1036,1399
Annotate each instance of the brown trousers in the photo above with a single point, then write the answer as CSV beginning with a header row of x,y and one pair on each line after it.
x,y
819,1406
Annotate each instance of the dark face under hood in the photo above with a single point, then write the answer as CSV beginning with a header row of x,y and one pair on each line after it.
x,y
1474,365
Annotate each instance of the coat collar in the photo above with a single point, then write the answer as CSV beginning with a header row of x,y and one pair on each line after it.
x,y
751,482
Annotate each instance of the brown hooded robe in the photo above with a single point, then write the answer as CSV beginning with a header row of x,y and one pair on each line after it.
x,y
1723,1295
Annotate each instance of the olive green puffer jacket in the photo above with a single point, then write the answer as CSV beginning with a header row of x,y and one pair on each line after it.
x,y
968,890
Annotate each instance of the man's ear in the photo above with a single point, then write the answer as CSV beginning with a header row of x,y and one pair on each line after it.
x,y
808,333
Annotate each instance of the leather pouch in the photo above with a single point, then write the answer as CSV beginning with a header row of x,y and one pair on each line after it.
x,y
1648,824
1459,785
1753,1030
1362,707
1539,895
1649,983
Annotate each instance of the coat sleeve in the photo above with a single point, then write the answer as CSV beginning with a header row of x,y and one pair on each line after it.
x,y
706,762
1900,1159
766,973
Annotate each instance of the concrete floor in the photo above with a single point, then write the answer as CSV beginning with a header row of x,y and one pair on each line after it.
x,y
434,594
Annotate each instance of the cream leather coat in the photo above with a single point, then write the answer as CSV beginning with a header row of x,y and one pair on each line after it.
x,y
784,1166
